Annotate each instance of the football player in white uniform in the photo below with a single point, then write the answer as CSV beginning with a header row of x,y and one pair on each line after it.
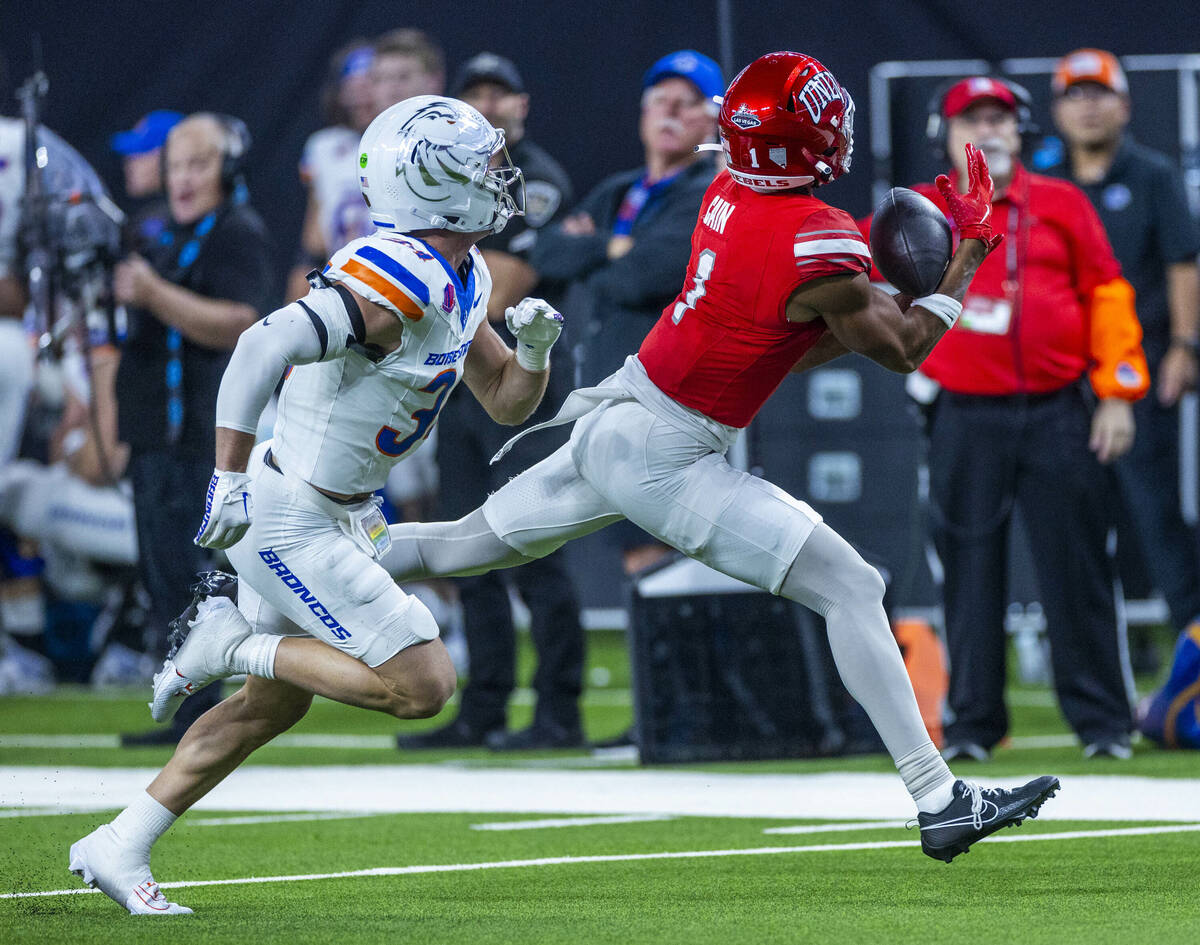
x,y
372,358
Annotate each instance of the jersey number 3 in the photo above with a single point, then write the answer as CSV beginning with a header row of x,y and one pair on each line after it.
x,y
385,439
704,268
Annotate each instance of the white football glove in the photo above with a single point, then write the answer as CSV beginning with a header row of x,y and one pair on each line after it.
x,y
227,509
536,326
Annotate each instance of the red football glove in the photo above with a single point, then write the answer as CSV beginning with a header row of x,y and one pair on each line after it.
x,y
972,210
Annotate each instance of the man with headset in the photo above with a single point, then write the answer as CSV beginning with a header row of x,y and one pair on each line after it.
x,y
206,279
1048,317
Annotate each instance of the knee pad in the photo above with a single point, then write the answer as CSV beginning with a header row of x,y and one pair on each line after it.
x,y
420,621
866,582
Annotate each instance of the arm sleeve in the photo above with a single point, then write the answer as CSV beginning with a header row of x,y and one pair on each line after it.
x,y
1118,361
318,327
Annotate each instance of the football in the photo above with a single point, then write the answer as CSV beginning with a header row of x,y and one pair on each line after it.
x,y
910,241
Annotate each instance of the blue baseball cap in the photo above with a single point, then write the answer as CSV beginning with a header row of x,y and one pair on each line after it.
x,y
147,135
688,64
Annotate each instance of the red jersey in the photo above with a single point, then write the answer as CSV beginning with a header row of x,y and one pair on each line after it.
x,y
725,344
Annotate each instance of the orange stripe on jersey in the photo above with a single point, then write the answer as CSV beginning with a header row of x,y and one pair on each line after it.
x,y
369,277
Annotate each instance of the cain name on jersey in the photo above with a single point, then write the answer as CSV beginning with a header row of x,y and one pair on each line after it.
x,y
725,343
339,427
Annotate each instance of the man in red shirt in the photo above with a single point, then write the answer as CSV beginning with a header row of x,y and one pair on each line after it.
x,y
777,282
1013,426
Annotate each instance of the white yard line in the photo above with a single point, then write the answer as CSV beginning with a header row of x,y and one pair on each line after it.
x,y
624,858
511,792
60,741
1044,741
839,828
570,822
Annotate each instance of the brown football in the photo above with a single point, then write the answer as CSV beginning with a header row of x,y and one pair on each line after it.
x,y
910,241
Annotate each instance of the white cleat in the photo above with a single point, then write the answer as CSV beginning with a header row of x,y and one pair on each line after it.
x,y
201,649
122,875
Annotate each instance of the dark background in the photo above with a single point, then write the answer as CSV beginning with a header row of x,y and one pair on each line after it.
x,y
111,63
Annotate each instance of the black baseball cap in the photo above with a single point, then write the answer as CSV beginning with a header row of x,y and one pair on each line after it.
x,y
487,67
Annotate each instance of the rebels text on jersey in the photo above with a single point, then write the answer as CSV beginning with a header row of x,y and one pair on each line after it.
x,y
725,343
344,423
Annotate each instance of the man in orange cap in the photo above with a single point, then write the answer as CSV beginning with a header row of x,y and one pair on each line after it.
x,y
1140,197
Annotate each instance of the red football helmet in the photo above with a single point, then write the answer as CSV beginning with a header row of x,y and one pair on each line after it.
x,y
786,122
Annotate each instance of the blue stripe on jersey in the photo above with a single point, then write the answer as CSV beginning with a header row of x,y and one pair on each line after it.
x,y
396,271
466,293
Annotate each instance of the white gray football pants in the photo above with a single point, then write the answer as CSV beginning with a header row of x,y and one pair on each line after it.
x,y
624,460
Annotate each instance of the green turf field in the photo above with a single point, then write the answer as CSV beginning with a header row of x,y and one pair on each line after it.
x,y
584,869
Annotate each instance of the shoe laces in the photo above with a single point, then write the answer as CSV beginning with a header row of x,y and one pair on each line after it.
x,y
975,793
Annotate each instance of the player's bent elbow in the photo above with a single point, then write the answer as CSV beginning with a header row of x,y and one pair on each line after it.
x,y
895,357
510,414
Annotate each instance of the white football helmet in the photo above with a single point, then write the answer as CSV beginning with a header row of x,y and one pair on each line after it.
x,y
424,163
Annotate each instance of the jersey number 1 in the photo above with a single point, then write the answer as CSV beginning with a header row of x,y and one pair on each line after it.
x,y
704,268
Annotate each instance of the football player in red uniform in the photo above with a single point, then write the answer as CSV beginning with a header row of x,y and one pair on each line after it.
x,y
778,282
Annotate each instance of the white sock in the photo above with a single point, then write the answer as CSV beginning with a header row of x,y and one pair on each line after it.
x,y
256,655
141,823
927,778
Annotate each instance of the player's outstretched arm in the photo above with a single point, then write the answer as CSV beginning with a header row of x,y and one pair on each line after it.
x,y
867,320
510,384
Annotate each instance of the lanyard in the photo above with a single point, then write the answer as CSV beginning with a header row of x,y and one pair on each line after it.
x,y
635,201
188,254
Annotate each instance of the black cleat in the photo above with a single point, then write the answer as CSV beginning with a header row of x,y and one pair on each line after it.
x,y
208,584
977,812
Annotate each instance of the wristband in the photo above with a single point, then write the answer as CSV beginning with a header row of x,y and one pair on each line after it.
x,y
944,307
533,358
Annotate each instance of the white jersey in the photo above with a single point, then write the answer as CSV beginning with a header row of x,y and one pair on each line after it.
x,y
12,189
329,166
344,423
